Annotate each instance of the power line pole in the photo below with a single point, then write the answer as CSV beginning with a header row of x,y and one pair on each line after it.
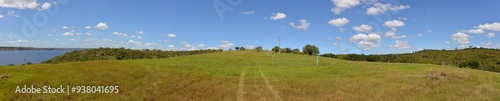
x,y
279,44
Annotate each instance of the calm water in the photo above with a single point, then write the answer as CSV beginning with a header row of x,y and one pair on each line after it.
x,y
24,56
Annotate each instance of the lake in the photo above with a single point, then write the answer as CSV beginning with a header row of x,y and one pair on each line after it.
x,y
24,56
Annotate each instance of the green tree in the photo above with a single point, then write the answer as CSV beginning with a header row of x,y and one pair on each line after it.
x,y
296,51
276,49
287,50
242,48
237,48
258,48
310,49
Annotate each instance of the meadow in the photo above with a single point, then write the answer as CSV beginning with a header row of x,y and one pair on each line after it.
x,y
250,75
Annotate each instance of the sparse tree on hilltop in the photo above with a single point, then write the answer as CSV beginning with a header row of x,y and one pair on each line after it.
x,y
276,49
258,48
310,50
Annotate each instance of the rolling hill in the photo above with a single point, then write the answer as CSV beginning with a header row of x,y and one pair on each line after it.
x,y
249,75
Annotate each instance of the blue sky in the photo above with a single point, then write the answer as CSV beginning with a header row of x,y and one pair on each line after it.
x,y
335,26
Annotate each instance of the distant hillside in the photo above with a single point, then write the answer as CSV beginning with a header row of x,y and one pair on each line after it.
x,y
476,58
120,54
7,48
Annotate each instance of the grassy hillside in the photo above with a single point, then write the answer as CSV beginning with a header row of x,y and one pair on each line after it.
x,y
475,58
249,75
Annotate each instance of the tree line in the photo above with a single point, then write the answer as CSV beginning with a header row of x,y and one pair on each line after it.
x,y
475,58
121,54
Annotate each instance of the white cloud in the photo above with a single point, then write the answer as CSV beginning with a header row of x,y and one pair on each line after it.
x,y
134,42
78,34
101,26
133,36
88,40
226,44
140,32
278,16
420,34
473,31
363,28
248,12
19,4
88,27
430,31
49,34
490,35
401,45
380,8
171,46
68,34
303,24
200,45
394,24
460,38
492,27
341,5
171,35
366,42
119,34
390,33
88,34
1,16
403,36
46,5
338,22
65,27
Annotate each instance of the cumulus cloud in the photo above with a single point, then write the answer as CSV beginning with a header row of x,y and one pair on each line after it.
x,y
171,35
46,5
492,27
473,31
200,45
490,35
171,46
394,24
278,16
68,34
363,28
401,45
226,44
366,42
119,34
341,5
19,4
101,26
303,24
338,22
1,16
380,8
65,27
460,38
88,27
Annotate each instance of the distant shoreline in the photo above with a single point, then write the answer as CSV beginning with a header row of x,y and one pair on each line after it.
x,y
6,48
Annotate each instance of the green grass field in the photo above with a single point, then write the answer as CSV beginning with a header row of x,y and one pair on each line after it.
x,y
249,75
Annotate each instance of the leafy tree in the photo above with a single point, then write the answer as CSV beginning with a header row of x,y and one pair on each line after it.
x,y
242,48
310,50
287,50
258,48
296,51
237,48
276,49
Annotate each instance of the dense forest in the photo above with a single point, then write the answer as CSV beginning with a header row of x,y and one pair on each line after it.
x,y
475,58
121,54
